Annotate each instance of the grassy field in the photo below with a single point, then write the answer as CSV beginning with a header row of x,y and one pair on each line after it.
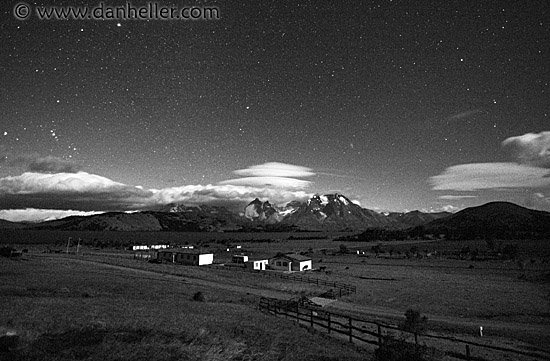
x,y
513,292
45,237
62,310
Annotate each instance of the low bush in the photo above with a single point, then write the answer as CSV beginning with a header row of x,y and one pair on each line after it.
x,y
414,322
199,297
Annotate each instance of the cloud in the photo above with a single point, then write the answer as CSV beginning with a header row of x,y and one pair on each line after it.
x,y
80,191
453,197
466,114
86,192
531,148
39,215
275,169
448,208
272,174
50,164
476,176
224,194
444,208
39,164
278,182
537,201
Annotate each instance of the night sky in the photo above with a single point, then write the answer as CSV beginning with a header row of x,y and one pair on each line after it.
x,y
398,105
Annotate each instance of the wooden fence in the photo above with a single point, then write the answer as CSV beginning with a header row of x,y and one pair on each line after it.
x,y
343,289
367,332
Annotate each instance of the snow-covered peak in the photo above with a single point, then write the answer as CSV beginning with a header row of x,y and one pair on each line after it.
x,y
343,199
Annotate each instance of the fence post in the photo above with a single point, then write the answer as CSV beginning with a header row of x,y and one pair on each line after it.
x,y
379,336
467,352
416,338
297,313
350,331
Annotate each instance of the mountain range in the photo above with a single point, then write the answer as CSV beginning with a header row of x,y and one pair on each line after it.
x,y
330,212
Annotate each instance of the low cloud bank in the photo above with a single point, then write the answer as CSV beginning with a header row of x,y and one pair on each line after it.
x,y
46,195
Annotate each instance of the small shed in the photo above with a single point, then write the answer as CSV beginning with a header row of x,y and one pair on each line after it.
x,y
257,264
185,256
239,258
290,262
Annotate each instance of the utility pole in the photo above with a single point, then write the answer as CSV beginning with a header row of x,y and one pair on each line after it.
x,y
68,244
78,246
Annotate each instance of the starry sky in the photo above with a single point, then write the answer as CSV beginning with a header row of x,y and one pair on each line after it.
x,y
398,105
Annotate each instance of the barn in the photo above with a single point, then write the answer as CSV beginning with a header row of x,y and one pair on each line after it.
x,y
290,262
185,256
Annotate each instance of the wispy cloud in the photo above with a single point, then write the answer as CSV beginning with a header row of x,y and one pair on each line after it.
x,y
444,208
531,148
50,164
454,197
33,162
476,176
464,115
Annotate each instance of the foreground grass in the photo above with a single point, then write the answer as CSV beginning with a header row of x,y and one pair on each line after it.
x,y
65,311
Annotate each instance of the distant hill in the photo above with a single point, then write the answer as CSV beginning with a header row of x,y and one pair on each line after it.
x,y
177,218
10,225
414,218
112,221
501,220
495,220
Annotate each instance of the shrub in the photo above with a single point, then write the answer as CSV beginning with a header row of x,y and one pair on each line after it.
x,y
199,297
414,322
393,349
343,249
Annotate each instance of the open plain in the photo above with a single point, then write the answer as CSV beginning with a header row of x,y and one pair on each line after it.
x,y
132,309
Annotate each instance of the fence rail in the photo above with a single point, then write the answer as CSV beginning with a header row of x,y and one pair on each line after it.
x,y
361,331
343,289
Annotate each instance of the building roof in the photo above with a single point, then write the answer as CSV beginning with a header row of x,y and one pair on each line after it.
x,y
184,250
293,257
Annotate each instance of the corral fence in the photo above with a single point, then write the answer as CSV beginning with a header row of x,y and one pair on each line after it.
x,y
368,332
342,289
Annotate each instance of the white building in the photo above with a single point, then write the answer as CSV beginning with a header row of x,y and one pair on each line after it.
x,y
239,258
257,264
185,256
290,262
